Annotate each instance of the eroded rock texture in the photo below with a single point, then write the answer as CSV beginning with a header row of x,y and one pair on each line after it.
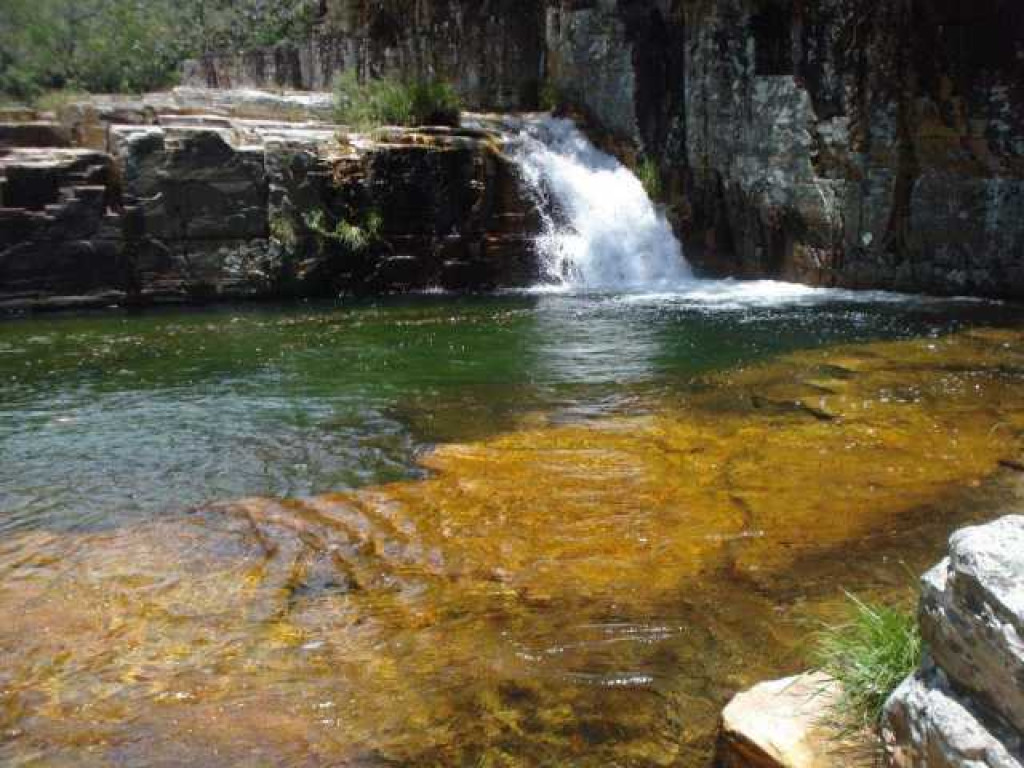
x,y
171,204
862,143
966,706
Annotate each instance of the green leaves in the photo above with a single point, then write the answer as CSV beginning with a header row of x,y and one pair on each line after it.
x,y
649,175
131,45
353,237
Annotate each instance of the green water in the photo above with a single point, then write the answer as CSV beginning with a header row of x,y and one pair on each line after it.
x,y
114,415
629,513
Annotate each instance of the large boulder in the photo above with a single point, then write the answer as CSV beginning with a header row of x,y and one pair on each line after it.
x,y
928,724
966,706
972,615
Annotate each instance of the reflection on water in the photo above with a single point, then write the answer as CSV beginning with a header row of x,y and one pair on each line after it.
x,y
551,590
109,417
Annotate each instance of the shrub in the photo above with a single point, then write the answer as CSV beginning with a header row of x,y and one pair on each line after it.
x,y
391,102
869,655
353,237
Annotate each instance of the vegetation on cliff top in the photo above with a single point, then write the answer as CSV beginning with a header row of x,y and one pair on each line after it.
x,y
130,45
376,102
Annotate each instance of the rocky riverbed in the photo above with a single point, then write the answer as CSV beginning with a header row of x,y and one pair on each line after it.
x,y
581,590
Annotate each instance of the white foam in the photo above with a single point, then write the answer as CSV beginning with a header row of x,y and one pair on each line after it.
x,y
601,232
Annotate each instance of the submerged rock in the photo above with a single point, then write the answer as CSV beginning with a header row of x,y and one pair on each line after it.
x,y
567,593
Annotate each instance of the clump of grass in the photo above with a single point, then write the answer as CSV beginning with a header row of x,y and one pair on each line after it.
x,y
373,103
649,175
869,655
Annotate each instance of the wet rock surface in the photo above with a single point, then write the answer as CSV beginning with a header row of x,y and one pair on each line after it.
x,y
862,144
966,707
162,201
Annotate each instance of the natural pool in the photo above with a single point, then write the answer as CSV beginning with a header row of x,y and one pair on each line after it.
x,y
519,530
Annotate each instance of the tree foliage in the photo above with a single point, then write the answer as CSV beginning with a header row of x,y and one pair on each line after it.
x,y
131,45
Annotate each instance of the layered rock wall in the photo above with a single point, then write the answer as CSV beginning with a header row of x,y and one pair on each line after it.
x,y
170,205
862,144
858,143
490,50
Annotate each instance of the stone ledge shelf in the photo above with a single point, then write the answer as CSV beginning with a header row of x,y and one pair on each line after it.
x,y
201,196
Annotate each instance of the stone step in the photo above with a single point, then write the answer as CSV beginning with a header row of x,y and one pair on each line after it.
x,y
789,723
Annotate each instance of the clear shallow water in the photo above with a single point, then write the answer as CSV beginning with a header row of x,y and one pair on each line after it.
x,y
115,415
568,528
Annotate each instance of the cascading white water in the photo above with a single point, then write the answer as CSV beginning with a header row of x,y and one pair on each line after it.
x,y
601,232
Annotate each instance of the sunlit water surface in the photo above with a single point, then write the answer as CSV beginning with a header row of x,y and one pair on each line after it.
x,y
520,530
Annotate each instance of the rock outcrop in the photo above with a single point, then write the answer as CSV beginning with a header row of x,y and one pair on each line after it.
x,y
862,144
789,723
166,203
966,705
857,143
490,50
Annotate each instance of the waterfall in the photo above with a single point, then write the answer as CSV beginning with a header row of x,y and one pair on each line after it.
x,y
601,232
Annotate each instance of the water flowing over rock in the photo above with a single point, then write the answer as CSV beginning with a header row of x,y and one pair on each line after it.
x,y
600,229
966,706
852,143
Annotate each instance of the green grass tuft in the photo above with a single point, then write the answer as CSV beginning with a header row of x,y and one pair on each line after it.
x,y
869,654
374,103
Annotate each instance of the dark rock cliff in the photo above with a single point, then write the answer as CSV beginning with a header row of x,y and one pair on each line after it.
x,y
169,205
491,49
857,143
862,143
